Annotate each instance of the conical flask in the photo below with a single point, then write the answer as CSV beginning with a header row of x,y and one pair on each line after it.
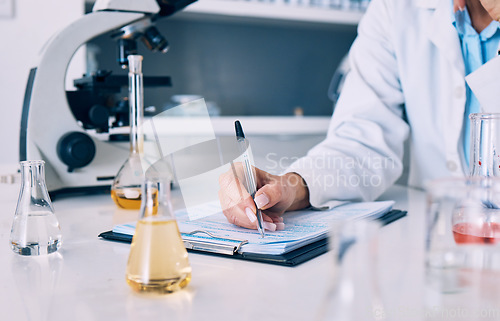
x,y
158,261
126,188
35,229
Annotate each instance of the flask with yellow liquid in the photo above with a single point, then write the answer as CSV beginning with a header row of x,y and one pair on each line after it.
x,y
126,188
158,261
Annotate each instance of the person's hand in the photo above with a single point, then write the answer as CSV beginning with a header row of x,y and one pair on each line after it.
x,y
493,8
275,195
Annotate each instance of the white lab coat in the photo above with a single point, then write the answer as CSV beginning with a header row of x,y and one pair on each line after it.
x,y
407,80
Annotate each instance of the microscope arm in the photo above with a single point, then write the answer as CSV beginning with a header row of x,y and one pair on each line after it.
x,y
46,115
49,130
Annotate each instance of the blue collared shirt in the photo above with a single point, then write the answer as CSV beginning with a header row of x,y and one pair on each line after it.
x,y
477,49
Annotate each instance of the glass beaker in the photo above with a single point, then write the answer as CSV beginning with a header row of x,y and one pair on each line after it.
x,y
158,261
354,292
463,218
126,188
462,247
485,144
35,229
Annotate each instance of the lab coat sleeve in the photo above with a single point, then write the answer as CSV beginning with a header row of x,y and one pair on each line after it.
x,y
484,83
362,153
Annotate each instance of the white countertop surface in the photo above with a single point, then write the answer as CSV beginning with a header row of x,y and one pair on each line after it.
x,y
85,280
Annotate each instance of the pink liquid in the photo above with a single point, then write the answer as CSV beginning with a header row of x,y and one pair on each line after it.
x,y
469,233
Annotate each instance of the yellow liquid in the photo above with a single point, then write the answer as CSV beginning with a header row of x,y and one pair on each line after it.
x,y
158,260
127,198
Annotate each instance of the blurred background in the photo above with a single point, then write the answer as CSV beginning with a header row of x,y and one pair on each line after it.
x,y
246,58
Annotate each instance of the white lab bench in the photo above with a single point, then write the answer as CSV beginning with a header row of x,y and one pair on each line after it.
x,y
85,279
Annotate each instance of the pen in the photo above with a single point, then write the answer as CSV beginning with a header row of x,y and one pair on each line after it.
x,y
247,168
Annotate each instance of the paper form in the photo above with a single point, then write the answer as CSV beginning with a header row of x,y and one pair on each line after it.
x,y
301,227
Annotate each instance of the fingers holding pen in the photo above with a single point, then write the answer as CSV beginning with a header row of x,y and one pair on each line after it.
x,y
276,220
269,223
262,201
235,200
239,207
273,222
269,199
244,214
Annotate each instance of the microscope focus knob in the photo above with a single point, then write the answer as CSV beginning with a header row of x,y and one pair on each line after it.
x,y
99,117
76,149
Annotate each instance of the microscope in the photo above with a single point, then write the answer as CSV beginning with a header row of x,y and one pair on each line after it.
x,y
58,126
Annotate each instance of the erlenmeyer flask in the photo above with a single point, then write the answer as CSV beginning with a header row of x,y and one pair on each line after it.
x,y
158,261
35,229
126,188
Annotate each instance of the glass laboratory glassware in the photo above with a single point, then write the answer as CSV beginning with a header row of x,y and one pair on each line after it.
x,y
354,292
158,261
35,229
462,250
126,188
463,229
485,145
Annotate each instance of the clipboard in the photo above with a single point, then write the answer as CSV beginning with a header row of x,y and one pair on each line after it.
x,y
292,258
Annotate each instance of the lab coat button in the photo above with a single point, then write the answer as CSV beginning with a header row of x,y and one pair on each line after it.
x,y
451,165
459,92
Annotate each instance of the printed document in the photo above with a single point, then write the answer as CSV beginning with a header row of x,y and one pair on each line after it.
x,y
301,227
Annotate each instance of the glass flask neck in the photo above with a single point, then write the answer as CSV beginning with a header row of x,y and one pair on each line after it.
x,y
136,104
33,187
156,203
